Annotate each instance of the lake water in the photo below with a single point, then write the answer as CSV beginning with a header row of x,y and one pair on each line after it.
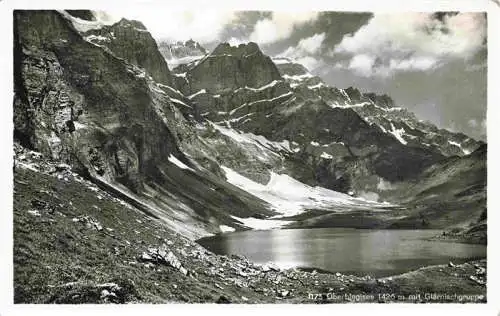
x,y
349,251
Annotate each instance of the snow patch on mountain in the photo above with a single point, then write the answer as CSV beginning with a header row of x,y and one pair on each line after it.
x,y
178,163
291,197
257,140
261,224
398,133
348,106
96,38
264,87
174,62
202,91
226,229
317,86
345,95
326,156
83,26
298,77
465,151
179,102
281,60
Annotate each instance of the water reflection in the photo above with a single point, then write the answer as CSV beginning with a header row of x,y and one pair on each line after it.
x,y
375,252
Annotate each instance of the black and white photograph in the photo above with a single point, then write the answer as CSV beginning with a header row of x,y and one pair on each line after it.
x,y
210,156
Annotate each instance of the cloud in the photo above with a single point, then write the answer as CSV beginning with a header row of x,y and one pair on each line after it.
x,y
475,124
279,26
472,123
362,64
207,26
203,26
369,65
310,63
306,46
306,52
234,41
484,127
391,43
311,44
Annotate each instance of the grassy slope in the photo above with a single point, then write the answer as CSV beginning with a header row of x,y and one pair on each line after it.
x,y
60,260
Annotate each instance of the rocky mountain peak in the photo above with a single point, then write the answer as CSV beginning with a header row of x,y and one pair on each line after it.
x,y
231,67
382,100
131,23
195,45
130,40
241,50
353,93
177,53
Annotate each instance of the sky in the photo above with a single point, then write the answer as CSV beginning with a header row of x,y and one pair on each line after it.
x,y
434,64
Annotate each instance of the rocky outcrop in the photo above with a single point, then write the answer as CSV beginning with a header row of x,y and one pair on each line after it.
x,y
180,50
130,40
229,68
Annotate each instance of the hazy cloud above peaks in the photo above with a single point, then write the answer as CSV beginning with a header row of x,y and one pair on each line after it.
x,y
202,26
307,51
279,26
391,43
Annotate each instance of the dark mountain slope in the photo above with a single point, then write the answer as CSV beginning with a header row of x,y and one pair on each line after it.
x,y
448,195
338,148
91,109
131,41
451,193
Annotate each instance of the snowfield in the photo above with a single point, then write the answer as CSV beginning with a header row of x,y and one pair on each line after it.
x,y
174,62
83,26
261,224
465,151
289,197
178,163
267,146
226,229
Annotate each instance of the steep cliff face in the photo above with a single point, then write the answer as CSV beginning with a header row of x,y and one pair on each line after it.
x,y
450,193
229,68
131,41
83,105
78,91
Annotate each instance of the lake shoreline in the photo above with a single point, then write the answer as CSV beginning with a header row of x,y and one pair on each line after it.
x,y
360,252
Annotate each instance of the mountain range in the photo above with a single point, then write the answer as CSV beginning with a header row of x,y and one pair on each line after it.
x,y
201,143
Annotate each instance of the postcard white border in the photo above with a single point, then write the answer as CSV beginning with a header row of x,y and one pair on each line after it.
x,y
6,264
